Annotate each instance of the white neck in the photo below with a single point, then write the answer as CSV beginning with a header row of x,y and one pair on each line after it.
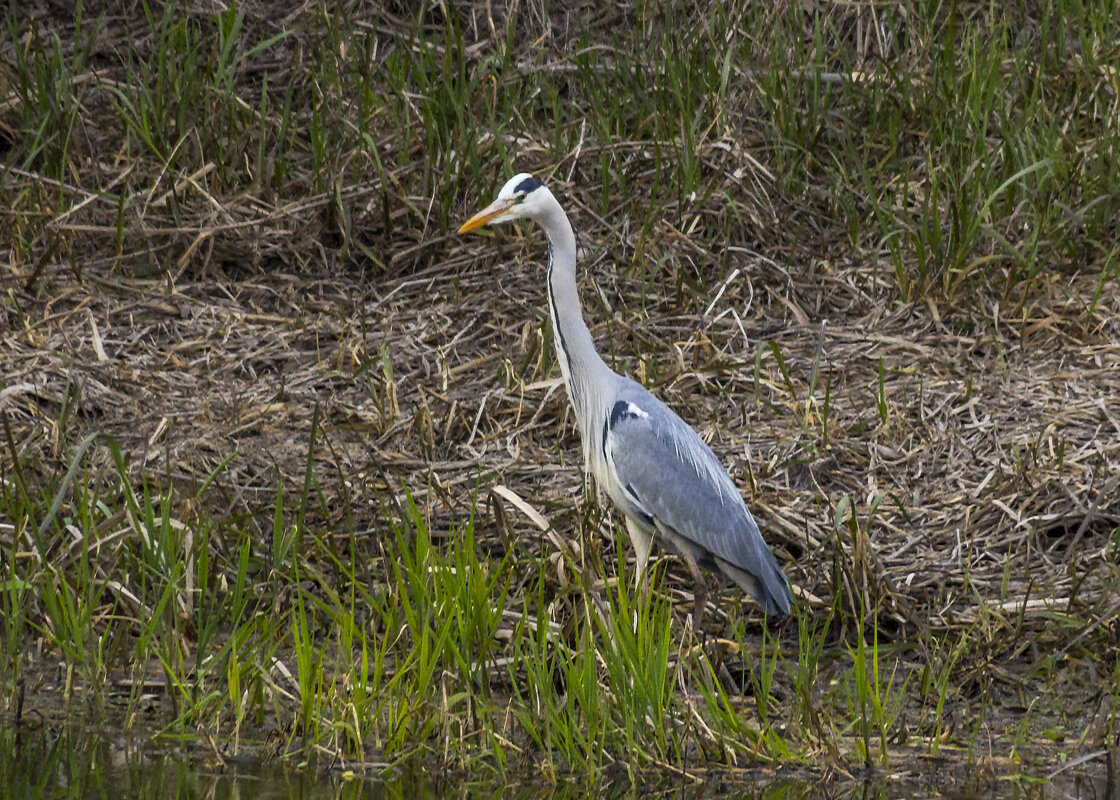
x,y
587,377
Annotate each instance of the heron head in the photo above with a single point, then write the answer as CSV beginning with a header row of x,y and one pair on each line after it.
x,y
522,196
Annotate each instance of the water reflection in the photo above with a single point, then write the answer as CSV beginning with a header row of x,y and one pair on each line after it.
x,y
71,762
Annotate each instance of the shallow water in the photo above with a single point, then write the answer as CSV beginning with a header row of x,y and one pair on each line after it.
x,y
71,762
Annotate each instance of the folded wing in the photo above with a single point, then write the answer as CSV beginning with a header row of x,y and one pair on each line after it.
x,y
673,483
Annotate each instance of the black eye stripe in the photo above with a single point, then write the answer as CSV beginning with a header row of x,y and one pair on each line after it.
x,y
528,185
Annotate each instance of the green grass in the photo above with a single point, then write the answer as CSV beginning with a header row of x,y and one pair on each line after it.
x,y
409,648
969,149
968,152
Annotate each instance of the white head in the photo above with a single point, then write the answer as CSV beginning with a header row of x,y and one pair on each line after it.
x,y
522,196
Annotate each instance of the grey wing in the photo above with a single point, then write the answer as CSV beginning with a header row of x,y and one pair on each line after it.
x,y
674,482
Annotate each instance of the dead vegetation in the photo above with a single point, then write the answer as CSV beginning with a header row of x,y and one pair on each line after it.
x,y
990,460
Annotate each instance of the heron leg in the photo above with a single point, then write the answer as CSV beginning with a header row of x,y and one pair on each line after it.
x,y
643,543
699,603
699,594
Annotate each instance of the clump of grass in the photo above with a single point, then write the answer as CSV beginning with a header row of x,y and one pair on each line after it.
x,y
991,193
634,645
874,699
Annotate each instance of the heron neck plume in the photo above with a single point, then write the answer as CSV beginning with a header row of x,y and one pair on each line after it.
x,y
585,373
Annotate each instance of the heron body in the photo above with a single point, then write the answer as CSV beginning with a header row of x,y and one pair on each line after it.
x,y
656,470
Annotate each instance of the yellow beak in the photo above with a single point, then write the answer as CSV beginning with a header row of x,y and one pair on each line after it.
x,y
485,216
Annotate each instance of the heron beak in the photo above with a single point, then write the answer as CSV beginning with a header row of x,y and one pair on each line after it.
x,y
492,213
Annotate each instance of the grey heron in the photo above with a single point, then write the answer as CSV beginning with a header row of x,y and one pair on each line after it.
x,y
664,479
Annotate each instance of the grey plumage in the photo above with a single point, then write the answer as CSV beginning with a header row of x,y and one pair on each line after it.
x,y
680,490
657,471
